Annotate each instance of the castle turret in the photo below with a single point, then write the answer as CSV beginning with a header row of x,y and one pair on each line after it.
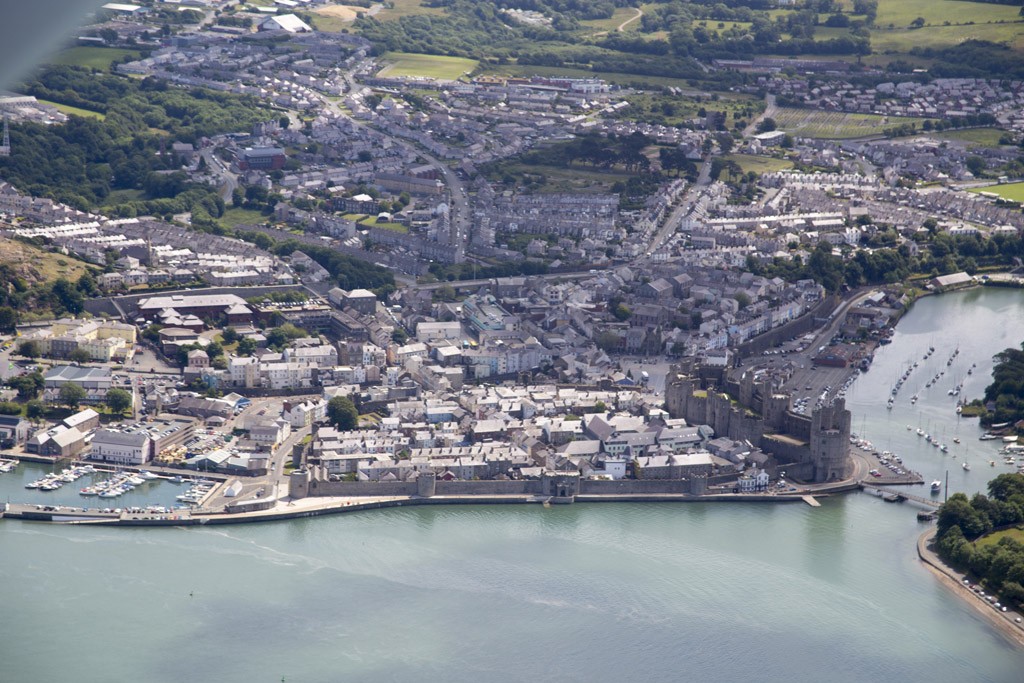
x,y
830,442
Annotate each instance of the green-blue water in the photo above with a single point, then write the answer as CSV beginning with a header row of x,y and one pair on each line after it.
x,y
600,592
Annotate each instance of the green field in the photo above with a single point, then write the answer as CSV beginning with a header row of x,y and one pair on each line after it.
x,y
75,111
426,66
975,137
759,164
406,8
235,216
620,15
92,57
993,538
393,227
902,12
1012,191
835,125
900,40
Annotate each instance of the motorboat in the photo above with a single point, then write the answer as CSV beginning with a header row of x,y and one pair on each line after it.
x,y
967,468
936,486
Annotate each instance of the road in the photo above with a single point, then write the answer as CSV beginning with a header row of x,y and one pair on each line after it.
x,y
229,181
770,111
683,207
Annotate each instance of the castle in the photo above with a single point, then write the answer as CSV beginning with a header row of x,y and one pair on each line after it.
x,y
812,449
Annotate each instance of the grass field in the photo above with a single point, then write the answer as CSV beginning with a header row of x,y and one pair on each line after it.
x,y
76,111
993,538
393,227
901,40
902,12
92,57
1013,191
568,72
426,66
234,217
122,196
758,164
620,15
834,124
977,137
407,8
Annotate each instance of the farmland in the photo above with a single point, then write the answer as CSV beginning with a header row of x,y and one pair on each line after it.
x,y
974,137
947,22
334,18
1012,191
426,66
835,125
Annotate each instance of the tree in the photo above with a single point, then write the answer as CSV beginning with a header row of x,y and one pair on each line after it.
x,y
29,349
230,335
767,125
917,23
118,400
80,355
975,164
34,409
246,346
71,394
342,413
28,386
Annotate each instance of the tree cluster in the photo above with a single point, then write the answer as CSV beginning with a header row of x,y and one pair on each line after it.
x,y
999,566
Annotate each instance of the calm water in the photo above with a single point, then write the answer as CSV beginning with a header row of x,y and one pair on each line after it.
x,y
577,593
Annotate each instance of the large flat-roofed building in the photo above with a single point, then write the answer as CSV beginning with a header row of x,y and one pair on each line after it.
x,y
261,159
201,305
95,381
137,444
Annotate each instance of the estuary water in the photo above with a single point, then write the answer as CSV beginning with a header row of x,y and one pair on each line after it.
x,y
595,592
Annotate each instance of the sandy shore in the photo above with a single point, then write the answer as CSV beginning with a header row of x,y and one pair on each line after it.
x,y
1002,621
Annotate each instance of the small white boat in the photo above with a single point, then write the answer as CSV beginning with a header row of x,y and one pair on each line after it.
x,y
936,486
1010,439
967,467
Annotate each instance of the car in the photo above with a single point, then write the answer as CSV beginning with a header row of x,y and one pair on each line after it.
x,y
1018,620
1003,608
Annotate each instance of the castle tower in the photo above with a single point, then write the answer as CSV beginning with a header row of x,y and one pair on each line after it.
x,y
830,442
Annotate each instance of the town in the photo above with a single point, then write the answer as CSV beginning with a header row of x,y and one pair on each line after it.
x,y
392,285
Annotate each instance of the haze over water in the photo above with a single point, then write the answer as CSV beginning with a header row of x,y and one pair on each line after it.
x,y
599,592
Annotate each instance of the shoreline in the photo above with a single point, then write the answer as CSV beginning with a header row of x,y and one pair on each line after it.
x,y
1002,622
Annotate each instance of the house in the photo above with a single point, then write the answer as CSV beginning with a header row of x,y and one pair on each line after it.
x,y
83,420
753,480
58,442
271,435
14,429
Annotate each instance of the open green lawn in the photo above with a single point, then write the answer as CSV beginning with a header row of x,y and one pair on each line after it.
x,y
901,39
1013,191
759,164
407,8
76,111
92,57
428,66
121,196
620,15
978,137
1016,534
834,124
237,216
394,227
902,12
